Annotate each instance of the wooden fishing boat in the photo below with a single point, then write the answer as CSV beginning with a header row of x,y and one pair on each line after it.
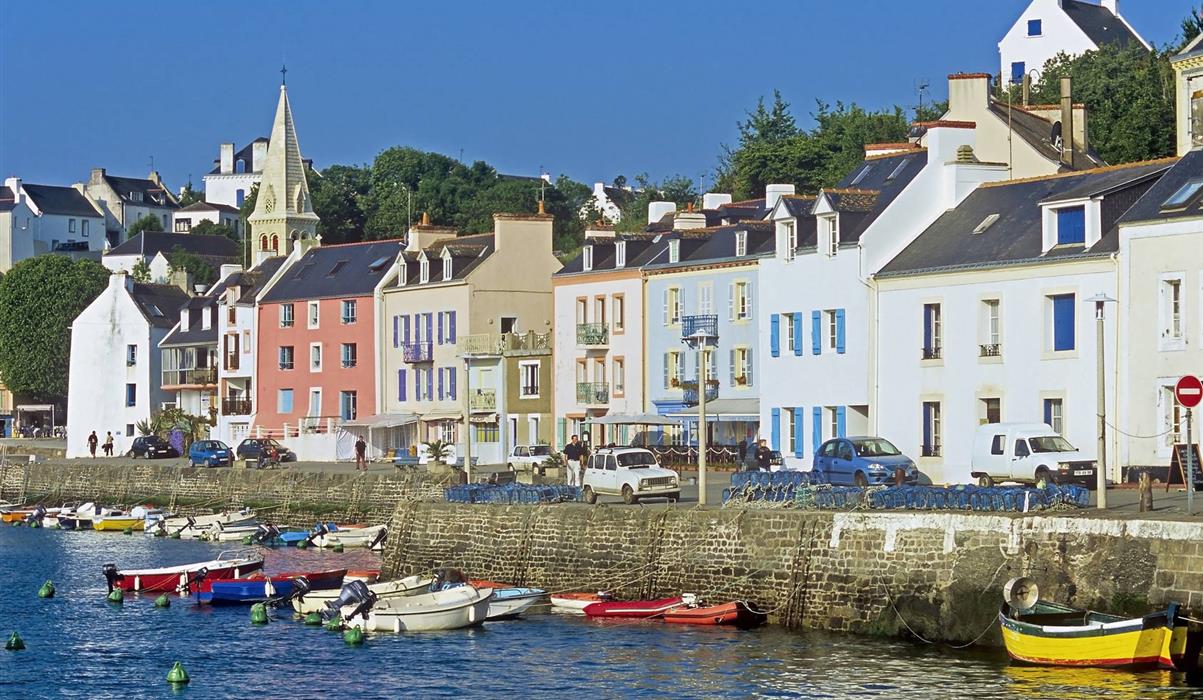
x,y
453,608
576,602
640,609
315,601
259,587
509,603
116,523
736,613
177,579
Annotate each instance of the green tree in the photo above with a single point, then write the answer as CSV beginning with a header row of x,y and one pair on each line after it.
x,y
337,196
202,272
209,228
141,271
39,298
1192,26
146,222
190,196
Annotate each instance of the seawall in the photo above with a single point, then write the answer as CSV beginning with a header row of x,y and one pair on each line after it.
x,y
855,572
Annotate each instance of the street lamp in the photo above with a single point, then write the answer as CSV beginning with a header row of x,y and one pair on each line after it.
x,y
1101,464
701,333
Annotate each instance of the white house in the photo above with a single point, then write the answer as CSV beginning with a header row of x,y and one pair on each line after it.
x,y
187,217
1049,27
115,374
610,199
156,247
36,219
235,174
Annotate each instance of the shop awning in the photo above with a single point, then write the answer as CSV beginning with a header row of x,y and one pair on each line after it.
x,y
383,420
725,410
442,415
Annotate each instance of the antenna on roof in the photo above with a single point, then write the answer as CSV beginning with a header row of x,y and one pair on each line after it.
x,y
544,177
152,162
921,86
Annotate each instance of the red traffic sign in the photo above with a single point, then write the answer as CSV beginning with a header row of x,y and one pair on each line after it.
x,y
1189,391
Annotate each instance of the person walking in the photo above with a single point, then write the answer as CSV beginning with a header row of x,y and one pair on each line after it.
x,y
92,440
573,452
764,456
361,455
108,444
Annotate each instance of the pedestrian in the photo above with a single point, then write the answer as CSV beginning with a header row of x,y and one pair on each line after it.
x,y
743,452
361,454
108,444
764,456
92,440
573,452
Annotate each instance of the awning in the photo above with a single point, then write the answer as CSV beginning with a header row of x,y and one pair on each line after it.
x,y
483,418
726,410
383,420
636,419
442,415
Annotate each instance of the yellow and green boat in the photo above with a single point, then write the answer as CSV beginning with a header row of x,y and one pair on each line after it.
x,y
118,523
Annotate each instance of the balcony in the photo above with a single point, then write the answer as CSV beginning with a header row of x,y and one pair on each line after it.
x,y
990,350
482,400
705,326
592,335
593,393
932,353
503,343
417,352
189,377
236,407
690,395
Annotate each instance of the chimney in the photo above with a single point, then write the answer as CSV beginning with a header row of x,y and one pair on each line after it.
x,y
772,194
599,230
14,185
183,280
656,210
714,200
227,159
689,219
258,156
121,278
1067,122
154,177
968,95
97,176
227,270
424,234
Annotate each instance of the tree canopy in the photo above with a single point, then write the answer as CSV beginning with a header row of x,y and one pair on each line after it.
x,y
209,228
202,272
39,298
146,222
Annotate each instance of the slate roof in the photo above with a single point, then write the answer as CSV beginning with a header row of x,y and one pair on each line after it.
x,y
467,253
1037,131
159,303
1151,206
349,270
701,246
639,250
210,206
65,201
7,204
216,247
798,205
861,203
744,209
1017,235
1099,24
195,335
152,194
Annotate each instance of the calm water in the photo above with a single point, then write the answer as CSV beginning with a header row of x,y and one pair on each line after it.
x,y
78,644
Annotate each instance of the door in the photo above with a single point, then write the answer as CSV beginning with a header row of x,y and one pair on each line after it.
x,y
823,457
518,457
595,473
842,462
610,478
1021,461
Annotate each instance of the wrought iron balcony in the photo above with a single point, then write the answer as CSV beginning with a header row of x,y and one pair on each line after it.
x,y
502,343
593,393
991,350
690,395
235,407
703,325
592,334
482,400
932,353
417,352
190,377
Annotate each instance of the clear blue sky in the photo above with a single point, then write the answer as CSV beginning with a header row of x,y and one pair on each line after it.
x,y
590,90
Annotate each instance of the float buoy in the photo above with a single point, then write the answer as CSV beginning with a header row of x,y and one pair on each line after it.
x,y
128,531
163,601
35,523
313,618
177,675
353,635
47,589
159,533
116,596
337,548
17,523
175,535
247,540
15,643
334,625
258,614
302,544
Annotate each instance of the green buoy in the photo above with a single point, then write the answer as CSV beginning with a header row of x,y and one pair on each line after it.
x,y
353,635
159,533
177,675
15,643
334,625
337,548
128,531
175,535
35,523
302,544
313,618
258,614
163,601
247,540
116,596
47,589
17,523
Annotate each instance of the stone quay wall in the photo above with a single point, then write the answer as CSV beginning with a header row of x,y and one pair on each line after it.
x,y
855,572
280,495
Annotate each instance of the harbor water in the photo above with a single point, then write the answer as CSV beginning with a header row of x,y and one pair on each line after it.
x,y
78,644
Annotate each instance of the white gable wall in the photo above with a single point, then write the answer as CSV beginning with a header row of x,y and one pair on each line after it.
x,y
1058,33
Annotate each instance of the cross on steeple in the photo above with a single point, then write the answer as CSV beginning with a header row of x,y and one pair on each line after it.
x,y
283,74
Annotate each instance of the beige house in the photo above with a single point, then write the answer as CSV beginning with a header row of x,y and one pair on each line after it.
x,y
442,288
509,391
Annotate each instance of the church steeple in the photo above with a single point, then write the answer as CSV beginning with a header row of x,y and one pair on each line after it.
x,y
283,211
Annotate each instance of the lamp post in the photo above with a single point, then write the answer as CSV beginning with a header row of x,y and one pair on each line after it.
x,y
1101,463
702,359
468,417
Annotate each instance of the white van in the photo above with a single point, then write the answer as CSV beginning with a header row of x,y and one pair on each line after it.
x,y
1027,452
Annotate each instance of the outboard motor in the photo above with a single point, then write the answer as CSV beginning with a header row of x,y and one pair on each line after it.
x,y
447,578
192,585
363,608
380,536
36,516
190,523
300,586
317,531
110,575
266,532
353,593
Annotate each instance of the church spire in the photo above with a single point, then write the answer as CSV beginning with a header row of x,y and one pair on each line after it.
x,y
283,211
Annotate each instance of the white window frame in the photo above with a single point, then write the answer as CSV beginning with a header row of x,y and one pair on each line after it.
x,y
790,339
831,337
674,307
423,271
523,367
992,321
791,239
131,355
741,243
832,226
315,366
292,398
1171,418
674,251
1169,337
618,313
448,272
743,302
618,376
313,314
342,355
315,407
353,306
287,315
587,258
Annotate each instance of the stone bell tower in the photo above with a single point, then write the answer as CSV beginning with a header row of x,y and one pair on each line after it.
x,y
283,211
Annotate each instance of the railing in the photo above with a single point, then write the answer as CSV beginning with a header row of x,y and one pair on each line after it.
x,y
501,343
932,353
235,407
482,400
991,350
704,325
417,352
592,334
593,393
690,395
177,377
930,450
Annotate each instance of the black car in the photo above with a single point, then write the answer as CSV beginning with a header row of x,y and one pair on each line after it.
x,y
152,447
252,448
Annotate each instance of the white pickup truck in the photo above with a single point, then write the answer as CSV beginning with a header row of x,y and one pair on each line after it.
x,y
1028,453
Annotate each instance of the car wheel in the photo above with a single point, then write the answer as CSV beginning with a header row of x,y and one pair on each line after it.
x,y
209,463
511,467
628,494
861,480
590,497
1042,478
985,481
131,454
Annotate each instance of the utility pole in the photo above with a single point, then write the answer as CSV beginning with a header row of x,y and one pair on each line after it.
x,y
702,359
468,417
1100,300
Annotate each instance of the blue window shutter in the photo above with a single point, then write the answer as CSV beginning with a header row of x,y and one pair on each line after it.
x,y
451,328
441,384
440,328
396,333
405,320
841,413
1063,322
816,415
451,383
798,333
816,332
1034,27
429,384
776,428
1071,225
1017,70
775,335
429,327
401,385
799,419
839,330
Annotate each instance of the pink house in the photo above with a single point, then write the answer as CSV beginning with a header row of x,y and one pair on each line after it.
x,y
317,336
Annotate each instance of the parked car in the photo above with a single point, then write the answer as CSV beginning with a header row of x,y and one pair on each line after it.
x,y
1029,453
632,473
151,447
251,448
528,458
210,453
862,461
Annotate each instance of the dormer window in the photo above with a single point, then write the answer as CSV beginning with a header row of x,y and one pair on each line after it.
x,y
587,258
674,251
620,254
832,224
790,239
424,270
135,196
206,319
447,271
184,320
741,243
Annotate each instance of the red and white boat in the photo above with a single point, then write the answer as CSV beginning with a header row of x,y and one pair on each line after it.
x,y
177,579
640,609
737,613
576,602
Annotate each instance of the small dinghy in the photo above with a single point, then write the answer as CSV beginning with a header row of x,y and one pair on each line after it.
x,y
259,587
370,537
736,613
185,577
576,602
636,609
193,526
450,609
509,603
116,522
318,600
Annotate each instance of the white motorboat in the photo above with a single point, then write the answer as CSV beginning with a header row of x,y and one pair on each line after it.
x,y
315,601
354,537
576,602
509,603
234,533
150,516
454,608
193,527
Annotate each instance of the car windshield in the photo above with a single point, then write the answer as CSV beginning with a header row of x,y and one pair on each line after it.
x,y
540,451
1050,443
155,441
636,460
875,447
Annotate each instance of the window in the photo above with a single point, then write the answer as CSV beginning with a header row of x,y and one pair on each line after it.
x,y
674,369
741,366
674,251
587,258
620,254
861,175
1171,311
131,394
183,226
791,338
1061,329
315,357
239,197
1071,225
485,432
741,243
348,311
931,429
998,445
791,427
166,221
424,271
509,324
931,331
1034,28
286,357
991,411
349,355
898,168
619,375
129,429
1054,415
1018,69
741,301
706,299
284,401
833,422
672,306
70,225
348,405
314,316
1183,195
206,315
582,310
986,223
991,329
315,402
599,309
528,380
131,355
833,330
286,315
833,235
1172,418
791,239
448,268
619,304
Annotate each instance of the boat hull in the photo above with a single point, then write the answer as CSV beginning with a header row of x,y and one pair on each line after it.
x,y
117,524
315,601
736,613
1145,642
509,603
175,579
637,609
256,589
575,602
452,609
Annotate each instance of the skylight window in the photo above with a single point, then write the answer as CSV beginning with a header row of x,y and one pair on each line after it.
x,y
986,223
155,310
898,169
861,175
1184,194
338,266
378,264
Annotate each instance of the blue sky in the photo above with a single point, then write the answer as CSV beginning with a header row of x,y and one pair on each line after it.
x,y
590,90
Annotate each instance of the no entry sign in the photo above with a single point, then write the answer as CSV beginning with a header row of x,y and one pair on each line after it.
x,y
1189,391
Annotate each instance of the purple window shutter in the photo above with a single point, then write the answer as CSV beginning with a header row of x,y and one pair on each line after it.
x,y
401,385
440,384
396,323
429,384
440,328
429,327
451,331
451,381
405,328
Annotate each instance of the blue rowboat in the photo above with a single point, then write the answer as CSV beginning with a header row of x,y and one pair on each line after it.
x,y
258,588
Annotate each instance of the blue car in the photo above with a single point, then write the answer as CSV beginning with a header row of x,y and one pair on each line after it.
x,y
862,461
210,453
